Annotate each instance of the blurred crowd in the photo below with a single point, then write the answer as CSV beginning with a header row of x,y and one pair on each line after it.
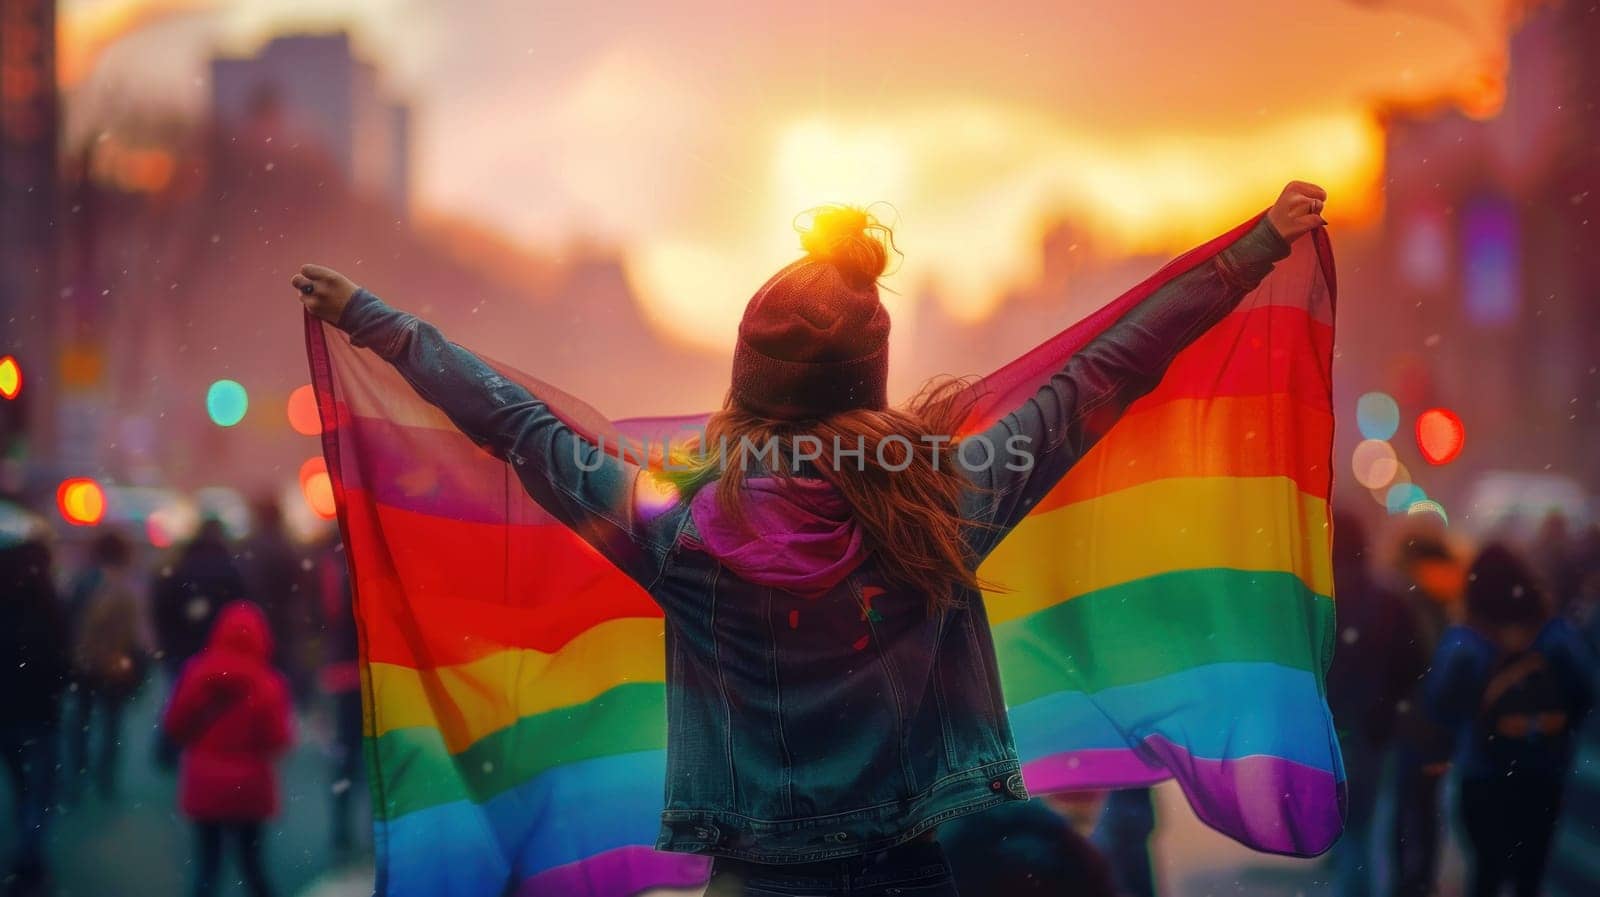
x,y
245,636
1460,687
1461,684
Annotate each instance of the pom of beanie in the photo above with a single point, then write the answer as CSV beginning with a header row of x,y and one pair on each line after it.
x,y
850,239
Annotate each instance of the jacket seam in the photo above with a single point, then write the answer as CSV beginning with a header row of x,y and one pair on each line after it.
x,y
674,712
995,714
666,555
894,692
946,730
786,784
722,690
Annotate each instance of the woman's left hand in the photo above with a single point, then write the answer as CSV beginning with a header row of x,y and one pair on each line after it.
x,y
323,291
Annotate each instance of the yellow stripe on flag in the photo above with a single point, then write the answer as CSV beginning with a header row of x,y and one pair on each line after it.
x,y
1165,526
471,700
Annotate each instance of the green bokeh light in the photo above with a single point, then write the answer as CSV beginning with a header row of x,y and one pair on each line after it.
x,y
226,402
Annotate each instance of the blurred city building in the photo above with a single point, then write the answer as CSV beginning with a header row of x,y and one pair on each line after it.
x,y
312,88
1485,288
175,259
152,263
29,134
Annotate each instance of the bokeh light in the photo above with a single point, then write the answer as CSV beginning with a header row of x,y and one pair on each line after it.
x,y
311,467
81,501
317,487
1374,463
303,416
158,532
1429,506
1401,496
226,402
1440,435
10,377
1402,475
1377,415
171,524
319,494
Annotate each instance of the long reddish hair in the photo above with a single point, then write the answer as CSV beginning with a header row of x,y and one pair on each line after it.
x,y
905,490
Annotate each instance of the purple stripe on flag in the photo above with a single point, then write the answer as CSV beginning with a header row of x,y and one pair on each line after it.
x,y
1272,804
626,870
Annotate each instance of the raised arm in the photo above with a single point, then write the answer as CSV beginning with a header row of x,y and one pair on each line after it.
x,y
580,485
1120,365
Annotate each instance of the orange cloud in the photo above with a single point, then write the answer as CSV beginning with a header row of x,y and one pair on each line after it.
x,y
87,30
690,132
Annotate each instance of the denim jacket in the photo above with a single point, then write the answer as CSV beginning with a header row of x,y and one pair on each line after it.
x,y
793,743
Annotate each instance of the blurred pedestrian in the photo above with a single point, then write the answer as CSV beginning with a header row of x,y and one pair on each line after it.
x,y
1512,682
231,715
185,601
1377,664
33,678
1555,557
1123,832
111,648
1435,580
1017,850
188,596
340,679
1432,580
275,579
1588,562
1573,871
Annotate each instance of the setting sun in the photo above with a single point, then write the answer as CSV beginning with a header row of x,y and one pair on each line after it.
x,y
970,190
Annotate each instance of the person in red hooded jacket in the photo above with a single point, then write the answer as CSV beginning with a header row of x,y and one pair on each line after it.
x,y
230,714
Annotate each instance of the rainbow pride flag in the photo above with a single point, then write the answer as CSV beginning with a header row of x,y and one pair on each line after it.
x,y
1168,612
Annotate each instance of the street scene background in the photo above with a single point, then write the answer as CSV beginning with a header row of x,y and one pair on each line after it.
x,y
592,193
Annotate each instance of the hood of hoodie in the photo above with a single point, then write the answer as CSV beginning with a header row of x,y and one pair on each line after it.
x,y
241,630
798,535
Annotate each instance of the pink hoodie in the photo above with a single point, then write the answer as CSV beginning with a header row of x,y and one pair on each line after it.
x,y
798,535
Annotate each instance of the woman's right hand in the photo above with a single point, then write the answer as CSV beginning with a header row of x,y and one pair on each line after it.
x,y
323,291
1298,210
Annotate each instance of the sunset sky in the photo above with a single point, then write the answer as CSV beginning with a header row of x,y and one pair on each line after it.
x,y
691,132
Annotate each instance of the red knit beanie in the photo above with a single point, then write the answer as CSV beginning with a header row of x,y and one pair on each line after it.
x,y
814,340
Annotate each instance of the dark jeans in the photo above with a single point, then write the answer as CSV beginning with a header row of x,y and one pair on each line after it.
x,y
1353,856
348,766
166,748
104,768
1416,827
29,750
916,869
1123,835
208,848
1509,822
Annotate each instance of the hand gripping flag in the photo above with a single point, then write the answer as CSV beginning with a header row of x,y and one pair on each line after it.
x,y
1168,612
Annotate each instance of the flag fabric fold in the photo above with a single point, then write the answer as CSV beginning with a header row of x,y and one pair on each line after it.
x,y
1167,612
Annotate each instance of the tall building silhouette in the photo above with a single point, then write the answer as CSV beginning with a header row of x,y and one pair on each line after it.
x,y
29,133
1489,298
312,89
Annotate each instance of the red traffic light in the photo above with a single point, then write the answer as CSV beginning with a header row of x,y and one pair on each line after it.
x,y
10,378
1440,435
